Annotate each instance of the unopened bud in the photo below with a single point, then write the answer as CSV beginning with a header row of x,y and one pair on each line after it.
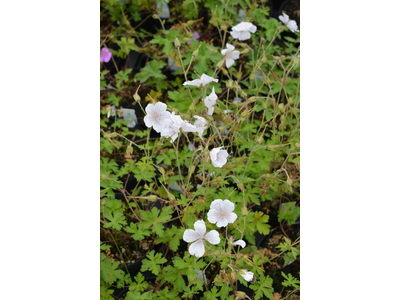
x,y
264,59
136,97
233,275
244,211
220,64
266,79
170,196
243,94
196,52
229,84
152,198
251,99
155,16
225,71
129,149
240,295
244,113
260,139
177,43
240,186
245,51
190,22
224,27
281,107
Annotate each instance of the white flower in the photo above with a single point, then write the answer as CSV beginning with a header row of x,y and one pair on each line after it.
x,y
247,275
231,54
198,235
218,157
291,24
171,128
242,31
210,101
200,124
204,80
221,212
191,147
240,243
157,116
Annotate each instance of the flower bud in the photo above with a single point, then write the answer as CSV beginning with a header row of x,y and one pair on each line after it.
x,y
251,99
190,22
233,275
155,16
265,104
177,43
260,139
224,27
136,97
245,51
245,212
239,295
229,84
220,64
196,52
281,107
152,198
243,94
225,71
264,59
266,79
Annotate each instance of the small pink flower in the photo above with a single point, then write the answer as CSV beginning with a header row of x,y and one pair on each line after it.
x,y
105,55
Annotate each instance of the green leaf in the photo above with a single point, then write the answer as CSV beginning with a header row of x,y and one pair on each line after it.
x,y
153,262
155,219
289,212
290,281
151,70
263,287
138,232
108,270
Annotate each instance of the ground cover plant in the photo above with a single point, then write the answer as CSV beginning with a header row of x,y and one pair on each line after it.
x,y
199,147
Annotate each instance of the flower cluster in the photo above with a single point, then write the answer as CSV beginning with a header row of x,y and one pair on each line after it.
x,y
168,124
221,213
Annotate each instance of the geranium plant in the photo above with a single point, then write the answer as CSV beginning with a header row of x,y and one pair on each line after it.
x,y
199,186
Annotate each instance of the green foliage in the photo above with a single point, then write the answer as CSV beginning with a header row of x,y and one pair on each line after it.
x,y
261,134
289,212
153,263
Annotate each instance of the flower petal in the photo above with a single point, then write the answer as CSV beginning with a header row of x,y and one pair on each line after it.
x,y
197,248
223,52
235,34
216,203
230,47
244,35
148,121
222,222
240,243
247,275
231,217
212,216
227,205
149,109
195,82
229,62
235,54
213,237
190,236
160,107
200,227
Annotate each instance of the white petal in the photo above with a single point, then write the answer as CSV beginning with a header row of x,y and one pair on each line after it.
x,y
200,227
210,111
247,275
227,205
149,108
213,237
216,204
244,35
197,248
148,121
160,107
240,243
231,217
235,34
190,236
195,82
230,47
235,54
253,28
222,222
205,79
212,216
223,52
229,62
